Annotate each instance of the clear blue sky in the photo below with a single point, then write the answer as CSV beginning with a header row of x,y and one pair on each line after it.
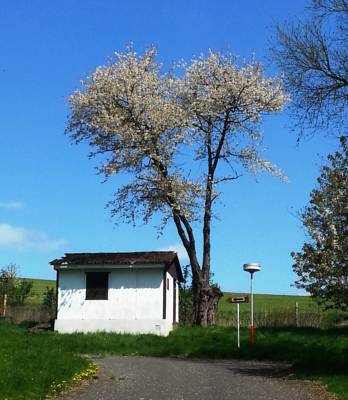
x,y
51,200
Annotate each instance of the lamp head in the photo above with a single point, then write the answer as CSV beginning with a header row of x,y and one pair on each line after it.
x,y
252,267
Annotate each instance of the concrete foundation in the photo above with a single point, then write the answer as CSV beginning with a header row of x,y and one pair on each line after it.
x,y
156,327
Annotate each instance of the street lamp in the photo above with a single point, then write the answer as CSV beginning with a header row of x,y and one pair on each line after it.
x,y
251,268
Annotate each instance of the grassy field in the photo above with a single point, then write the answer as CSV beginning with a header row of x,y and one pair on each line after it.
x,y
266,302
39,287
272,309
32,365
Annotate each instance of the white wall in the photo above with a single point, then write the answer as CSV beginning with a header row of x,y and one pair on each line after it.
x,y
133,294
170,300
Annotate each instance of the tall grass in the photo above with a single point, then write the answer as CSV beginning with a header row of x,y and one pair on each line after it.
x,y
29,364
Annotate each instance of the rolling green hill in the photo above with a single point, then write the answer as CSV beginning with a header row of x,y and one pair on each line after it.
x,y
39,287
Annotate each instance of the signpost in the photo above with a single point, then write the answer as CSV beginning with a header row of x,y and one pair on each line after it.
x,y
238,300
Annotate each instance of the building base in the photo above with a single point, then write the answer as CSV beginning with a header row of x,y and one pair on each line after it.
x,y
156,327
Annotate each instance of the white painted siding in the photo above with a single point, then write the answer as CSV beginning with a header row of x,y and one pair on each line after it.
x,y
133,294
149,301
71,294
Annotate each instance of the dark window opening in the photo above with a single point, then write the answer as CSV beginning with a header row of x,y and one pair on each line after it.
x,y
97,285
167,283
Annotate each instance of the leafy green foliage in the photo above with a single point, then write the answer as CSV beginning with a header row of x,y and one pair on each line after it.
x,y
322,265
17,290
49,298
185,295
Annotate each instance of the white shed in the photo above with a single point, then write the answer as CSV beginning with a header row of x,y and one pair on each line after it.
x,y
118,292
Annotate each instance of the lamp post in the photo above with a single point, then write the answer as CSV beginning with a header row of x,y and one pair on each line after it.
x,y
251,268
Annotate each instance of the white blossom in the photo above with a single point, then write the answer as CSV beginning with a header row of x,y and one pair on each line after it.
x,y
143,119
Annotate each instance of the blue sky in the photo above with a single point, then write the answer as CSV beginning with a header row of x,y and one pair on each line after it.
x,y
51,200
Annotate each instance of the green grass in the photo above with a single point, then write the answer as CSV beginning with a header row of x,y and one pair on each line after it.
x,y
267,302
30,363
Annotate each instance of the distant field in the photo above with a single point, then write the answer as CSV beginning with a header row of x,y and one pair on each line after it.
x,y
278,310
39,287
270,302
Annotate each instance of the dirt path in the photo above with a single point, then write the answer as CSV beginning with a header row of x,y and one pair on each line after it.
x,y
147,378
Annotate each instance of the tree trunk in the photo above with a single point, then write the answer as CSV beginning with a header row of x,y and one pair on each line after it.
x,y
205,301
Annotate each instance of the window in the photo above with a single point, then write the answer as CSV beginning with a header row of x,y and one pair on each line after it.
x,y
167,283
97,284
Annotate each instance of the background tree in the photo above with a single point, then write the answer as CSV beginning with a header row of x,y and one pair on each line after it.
x,y
322,265
148,124
313,55
16,289
185,304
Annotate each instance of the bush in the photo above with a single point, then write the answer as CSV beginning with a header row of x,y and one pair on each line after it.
x,y
17,290
50,299
186,303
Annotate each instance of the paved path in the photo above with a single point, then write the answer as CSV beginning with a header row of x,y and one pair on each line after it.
x,y
147,378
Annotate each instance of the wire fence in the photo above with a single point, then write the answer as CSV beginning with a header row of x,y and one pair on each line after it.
x,y
273,319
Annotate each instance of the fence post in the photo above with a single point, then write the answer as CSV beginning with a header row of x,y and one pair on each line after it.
x,y
296,314
4,305
238,327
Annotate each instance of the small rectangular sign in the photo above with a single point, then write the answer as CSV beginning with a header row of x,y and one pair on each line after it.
x,y
241,299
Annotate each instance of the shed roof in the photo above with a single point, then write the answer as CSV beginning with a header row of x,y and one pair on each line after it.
x,y
145,257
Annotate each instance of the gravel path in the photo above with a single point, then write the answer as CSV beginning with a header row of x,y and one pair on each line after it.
x,y
147,378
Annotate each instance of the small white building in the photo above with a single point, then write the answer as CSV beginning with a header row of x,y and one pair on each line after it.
x,y
118,292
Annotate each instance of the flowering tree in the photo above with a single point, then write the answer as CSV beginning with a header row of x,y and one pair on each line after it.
x,y
322,265
145,123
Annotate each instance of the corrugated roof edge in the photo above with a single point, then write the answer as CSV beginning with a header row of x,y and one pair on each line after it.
x,y
148,257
